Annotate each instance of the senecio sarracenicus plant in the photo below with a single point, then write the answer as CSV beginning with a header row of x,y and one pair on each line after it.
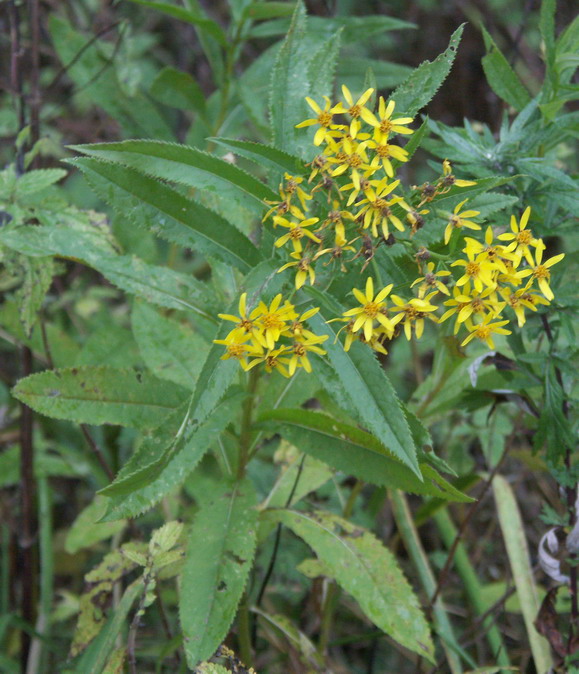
x,y
350,204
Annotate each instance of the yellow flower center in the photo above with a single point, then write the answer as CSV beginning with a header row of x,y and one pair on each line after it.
x,y
271,361
383,150
541,272
236,350
483,332
379,204
455,221
355,111
299,349
514,301
354,160
272,322
524,237
371,309
245,324
297,328
410,312
386,125
296,233
430,279
291,186
341,157
472,269
477,305
325,119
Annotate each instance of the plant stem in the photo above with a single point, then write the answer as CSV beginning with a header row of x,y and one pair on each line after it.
x,y
246,421
244,631
333,593
416,552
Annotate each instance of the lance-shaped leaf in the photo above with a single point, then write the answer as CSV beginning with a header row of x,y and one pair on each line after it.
x,y
184,165
178,89
290,86
101,395
156,284
367,570
369,390
165,459
355,452
265,155
424,82
219,557
163,210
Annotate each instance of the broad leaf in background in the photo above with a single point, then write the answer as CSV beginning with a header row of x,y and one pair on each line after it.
x,y
178,89
164,211
501,77
171,350
424,82
355,452
219,557
367,570
101,395
156,284
370,393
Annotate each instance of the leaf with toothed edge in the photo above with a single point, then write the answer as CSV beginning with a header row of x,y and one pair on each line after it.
x,y
101,395
366,569
220,553
164,211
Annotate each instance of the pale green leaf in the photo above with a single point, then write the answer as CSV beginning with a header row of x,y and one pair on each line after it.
x,y
37,280
367,570
100,395
219,557
86,530
178,89
36,181
170,349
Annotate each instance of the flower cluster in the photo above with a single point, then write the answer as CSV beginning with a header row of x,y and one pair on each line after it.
x,y
273,335
352,203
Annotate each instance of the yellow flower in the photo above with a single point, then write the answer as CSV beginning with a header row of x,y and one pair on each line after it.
x,y
484,331
458,220
431,281
238,349
246,325
273,320
377,209
478,270
356,110
414,312
297,230
371,310
493,253
384,151
298,332
484,302
521,237
304,269
300,351
385,125
448,179
520,299
274,359
352,157
540,271
324,119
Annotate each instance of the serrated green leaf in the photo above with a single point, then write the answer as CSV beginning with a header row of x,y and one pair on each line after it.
x,y
367,570
388,75
219,557
369,390
501,77
289,86
264,154
322,68
165,212
178,89
171,350
355,452
100,395
37,280
184,165
257,11
166,537
37,180
164,460
424,82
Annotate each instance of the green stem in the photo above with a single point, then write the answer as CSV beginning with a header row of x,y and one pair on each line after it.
x,y
416,552
333,593
472,586
244,632
246,421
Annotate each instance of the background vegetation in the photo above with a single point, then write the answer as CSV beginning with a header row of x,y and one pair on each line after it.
x,y
101,289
